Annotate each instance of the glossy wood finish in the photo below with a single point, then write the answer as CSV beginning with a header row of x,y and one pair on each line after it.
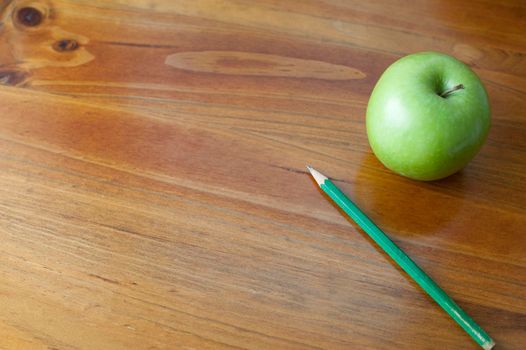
x,y
153,189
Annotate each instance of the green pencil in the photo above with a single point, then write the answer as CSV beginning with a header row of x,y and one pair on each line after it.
x,y
405,262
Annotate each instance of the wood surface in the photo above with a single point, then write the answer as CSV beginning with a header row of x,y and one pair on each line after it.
x,y
153,190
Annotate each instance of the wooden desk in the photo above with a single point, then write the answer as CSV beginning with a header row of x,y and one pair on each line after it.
x,y
153,189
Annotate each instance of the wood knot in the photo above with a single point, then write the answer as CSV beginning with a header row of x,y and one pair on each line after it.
x,y
13,77
66,45
29,16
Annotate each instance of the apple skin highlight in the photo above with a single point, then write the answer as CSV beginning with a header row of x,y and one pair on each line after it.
x,y
427,116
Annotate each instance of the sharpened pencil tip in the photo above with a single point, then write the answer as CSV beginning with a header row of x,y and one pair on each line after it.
x,y
319,177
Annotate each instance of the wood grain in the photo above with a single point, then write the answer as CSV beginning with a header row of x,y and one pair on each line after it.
x,y
153,190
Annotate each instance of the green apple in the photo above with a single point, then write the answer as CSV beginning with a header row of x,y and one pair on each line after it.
x,y
428,116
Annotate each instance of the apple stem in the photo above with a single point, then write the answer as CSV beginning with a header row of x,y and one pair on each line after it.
x,y
453,89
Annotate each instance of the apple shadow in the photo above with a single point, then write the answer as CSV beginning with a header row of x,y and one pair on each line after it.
x,y
405,207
